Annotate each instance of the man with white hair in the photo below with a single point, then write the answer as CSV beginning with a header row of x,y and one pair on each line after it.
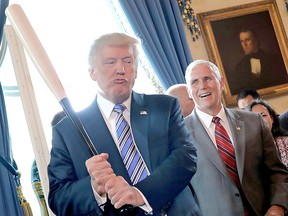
x,y
238,168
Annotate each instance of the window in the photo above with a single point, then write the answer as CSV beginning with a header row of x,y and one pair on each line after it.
x,y
66,29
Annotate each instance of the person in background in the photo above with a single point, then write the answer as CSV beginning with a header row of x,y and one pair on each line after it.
x,y
272,122
283,118
245,96
181,93
238,168
125,127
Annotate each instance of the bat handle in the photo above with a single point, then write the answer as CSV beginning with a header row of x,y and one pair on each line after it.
x,y
126,210
66,105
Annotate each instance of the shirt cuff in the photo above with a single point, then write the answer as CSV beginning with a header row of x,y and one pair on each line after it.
x,y
146,207
101,200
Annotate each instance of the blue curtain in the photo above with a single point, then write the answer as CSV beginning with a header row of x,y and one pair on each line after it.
x,y
9,202
3,5
159,24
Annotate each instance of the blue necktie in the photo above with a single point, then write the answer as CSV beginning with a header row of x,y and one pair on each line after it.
x,y
132,159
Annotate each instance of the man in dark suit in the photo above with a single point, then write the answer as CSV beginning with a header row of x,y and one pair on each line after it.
x,y
283,118
260,185
258,69
81,184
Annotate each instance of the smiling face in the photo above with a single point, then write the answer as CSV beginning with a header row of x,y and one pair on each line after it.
x,y
115,73
205,89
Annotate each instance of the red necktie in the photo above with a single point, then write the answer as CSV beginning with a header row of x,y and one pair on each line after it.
x,y
226,150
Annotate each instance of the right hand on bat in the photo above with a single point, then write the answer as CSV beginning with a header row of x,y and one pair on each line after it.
x,y
100,171
105,182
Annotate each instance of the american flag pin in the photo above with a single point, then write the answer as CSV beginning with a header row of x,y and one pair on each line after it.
x,y
143,112
238,128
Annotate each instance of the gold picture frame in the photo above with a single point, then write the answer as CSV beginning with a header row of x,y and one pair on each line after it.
x,y
220,30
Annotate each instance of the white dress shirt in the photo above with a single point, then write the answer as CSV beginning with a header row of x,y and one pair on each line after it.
x,y
209,126
255,66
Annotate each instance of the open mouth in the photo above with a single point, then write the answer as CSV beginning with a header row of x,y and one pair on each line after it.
x,y
204,95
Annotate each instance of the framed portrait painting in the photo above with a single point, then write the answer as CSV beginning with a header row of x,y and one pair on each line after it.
x,y
249,45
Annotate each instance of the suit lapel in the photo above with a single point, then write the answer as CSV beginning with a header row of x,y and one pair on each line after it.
x,y
237,128
139,124
206,144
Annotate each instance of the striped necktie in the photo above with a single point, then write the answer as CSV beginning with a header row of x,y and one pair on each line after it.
x,y
131,157
226,150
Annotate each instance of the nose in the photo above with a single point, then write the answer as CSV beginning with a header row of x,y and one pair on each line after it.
x,y
201,84
120,69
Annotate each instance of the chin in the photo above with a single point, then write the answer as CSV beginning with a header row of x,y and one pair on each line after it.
x,y
121,97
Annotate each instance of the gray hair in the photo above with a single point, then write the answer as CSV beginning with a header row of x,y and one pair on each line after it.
x,y
113,39
195,63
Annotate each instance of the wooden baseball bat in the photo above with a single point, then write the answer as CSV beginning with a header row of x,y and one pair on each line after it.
x,y
37,53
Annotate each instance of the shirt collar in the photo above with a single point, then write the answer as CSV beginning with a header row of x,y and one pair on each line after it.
x,y
207,119
107,106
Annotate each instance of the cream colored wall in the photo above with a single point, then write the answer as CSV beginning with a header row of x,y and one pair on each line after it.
x,y
199,51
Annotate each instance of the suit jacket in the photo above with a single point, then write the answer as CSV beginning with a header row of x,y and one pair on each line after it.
x,y
283,118
163,140
264,179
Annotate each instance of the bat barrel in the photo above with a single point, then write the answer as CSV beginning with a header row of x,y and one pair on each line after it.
x,y
34,48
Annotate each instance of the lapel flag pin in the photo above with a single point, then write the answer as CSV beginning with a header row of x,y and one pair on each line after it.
x,y
143,112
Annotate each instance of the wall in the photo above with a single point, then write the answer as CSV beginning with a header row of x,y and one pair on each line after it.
x,y
198,50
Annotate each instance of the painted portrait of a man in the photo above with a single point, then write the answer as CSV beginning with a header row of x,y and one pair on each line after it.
x,y
249,52
258,68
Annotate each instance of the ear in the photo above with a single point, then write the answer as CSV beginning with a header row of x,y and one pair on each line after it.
x,y
135,66
189,93
92,73
222,84
136,73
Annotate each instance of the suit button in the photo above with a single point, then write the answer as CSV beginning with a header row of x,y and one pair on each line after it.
x,y
237,194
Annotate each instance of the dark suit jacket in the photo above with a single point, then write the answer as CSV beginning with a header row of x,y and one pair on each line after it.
x,y
163,140
264,179
273,72
283,118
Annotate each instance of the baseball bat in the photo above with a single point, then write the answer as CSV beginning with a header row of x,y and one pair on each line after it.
x,y
39,57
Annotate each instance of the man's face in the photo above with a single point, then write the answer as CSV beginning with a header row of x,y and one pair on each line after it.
x,y
115,73
248,42
205,89
243,103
